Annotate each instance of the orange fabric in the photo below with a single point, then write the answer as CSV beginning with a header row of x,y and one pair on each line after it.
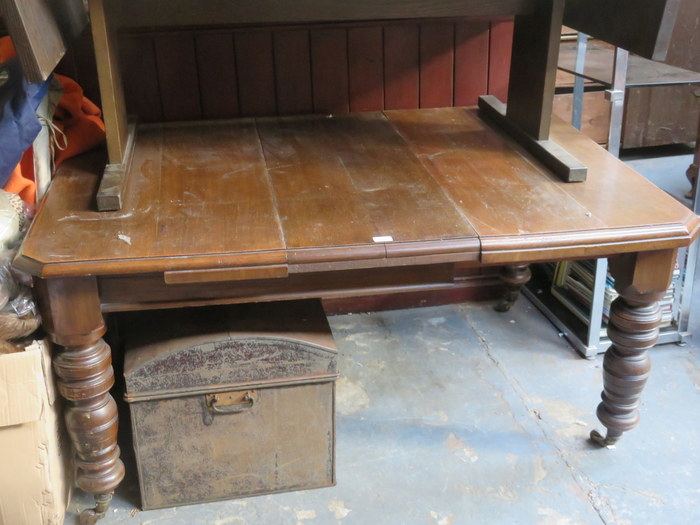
x,y
7,50
77,117
21,181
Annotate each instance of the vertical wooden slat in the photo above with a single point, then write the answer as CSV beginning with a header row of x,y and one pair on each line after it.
x,y
141,86
177,76
401,66
366,68
256,73
216,64
436,64
293,72
329,70
499,58
111,89
471,62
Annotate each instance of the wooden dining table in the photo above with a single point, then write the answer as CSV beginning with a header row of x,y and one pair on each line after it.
x,y
328,206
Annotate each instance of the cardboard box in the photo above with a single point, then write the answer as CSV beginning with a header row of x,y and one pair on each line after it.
x,y
36,473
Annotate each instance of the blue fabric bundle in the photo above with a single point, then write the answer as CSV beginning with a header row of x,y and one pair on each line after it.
x,y
19,124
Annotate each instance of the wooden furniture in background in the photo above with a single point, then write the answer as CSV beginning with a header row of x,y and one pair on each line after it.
x,y
661,30
662,102
535,29
253,210
643,28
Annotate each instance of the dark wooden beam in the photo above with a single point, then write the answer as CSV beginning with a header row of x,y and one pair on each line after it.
x,y
644,28
36,36
534,67
149,13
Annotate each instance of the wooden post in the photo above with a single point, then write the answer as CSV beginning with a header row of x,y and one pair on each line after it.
x,y
120,134
533,68
36,36
111,90
533,73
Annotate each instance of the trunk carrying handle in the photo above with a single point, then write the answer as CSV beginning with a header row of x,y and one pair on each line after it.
x,y
223,403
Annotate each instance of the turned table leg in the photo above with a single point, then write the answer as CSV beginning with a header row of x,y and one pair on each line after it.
x,y
514,277
693,171
642,280
692,174
71,314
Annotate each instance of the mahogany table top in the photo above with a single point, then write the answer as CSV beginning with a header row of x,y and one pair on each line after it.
x,y
291,194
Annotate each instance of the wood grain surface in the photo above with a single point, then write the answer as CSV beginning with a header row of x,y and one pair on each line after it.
x,y
640,71
353,171
522,212
363,190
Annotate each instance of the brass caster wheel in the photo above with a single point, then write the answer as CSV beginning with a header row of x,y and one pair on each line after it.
x,y
692,174
91,516
513,277
606,441
504,305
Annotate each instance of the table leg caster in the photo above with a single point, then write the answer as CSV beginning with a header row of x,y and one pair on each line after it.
x,y
692,174
514,277
90,516
507,301
610,438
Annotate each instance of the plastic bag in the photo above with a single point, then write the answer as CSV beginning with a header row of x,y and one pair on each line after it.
x,y
8,284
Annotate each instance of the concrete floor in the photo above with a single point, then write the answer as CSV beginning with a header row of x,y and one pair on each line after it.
x,y
459,415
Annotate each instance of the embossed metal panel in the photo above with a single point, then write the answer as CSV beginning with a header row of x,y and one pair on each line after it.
x,y
219,413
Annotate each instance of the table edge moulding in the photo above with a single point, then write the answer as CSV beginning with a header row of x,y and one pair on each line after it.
x,y
330,206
